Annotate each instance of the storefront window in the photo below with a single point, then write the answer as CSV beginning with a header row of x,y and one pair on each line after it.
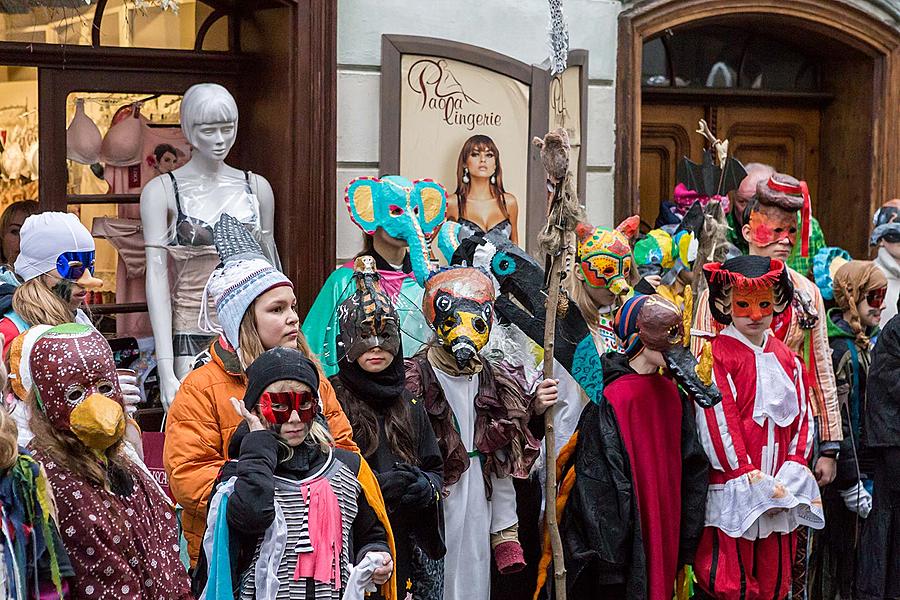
x,y
116,143
125,23
726,57
18,154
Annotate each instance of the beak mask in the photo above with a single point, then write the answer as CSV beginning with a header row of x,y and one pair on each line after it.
x,y
459,304
654,323
76,384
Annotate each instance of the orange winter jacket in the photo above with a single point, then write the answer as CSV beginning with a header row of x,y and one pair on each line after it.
x,y
199,427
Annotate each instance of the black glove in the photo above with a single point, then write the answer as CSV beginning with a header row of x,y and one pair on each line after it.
x,y
420,493
394,484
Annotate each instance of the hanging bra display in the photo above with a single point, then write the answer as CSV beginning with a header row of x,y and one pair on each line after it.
x,y
123,144
13,160
83,139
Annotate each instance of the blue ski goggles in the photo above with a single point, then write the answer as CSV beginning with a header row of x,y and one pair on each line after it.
x,y
72,265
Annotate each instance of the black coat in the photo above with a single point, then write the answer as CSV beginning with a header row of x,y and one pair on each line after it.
x,y
251,506
600,525
422,526
882,422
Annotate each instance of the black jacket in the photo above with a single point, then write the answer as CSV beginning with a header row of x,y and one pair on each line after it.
x,y
600,525
423,526
881,427
251,506
882,422
853,460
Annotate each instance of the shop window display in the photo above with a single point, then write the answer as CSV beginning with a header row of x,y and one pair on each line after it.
x,y
127,23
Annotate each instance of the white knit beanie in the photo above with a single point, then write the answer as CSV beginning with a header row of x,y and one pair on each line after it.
x,y
234,286
244,275
44,237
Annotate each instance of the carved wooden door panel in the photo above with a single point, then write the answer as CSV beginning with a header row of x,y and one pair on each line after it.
x,y
667,134
786,138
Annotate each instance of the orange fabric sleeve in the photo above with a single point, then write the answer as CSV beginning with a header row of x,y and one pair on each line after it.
x,y
565,483
337,420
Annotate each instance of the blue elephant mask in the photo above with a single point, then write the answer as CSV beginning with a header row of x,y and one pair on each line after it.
x,y
412,211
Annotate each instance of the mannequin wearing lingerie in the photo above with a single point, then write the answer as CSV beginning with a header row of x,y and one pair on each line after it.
x,y
181,208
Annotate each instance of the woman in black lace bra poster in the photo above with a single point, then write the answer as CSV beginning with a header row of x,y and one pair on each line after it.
x,y
481,203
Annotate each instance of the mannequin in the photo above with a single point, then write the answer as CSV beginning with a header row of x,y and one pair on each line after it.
x,y
178,211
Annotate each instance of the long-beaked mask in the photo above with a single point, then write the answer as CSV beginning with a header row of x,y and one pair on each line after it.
x,y
367,319
653,323
76,384
459,304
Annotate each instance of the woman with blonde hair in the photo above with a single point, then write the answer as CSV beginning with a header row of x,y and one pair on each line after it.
x,y
257,311
480,202
56,265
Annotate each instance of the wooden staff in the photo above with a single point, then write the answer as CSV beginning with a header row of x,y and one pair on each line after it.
x,y
559,567
555,240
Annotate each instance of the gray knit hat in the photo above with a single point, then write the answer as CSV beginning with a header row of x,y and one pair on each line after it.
x,y
244,275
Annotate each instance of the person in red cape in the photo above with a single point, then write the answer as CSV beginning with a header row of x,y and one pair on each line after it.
x,y
634,475
758,439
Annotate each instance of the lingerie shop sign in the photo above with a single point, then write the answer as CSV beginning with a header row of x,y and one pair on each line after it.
x,y
440,90
444,102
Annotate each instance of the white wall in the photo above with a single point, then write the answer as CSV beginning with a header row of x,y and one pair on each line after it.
x,y
517,28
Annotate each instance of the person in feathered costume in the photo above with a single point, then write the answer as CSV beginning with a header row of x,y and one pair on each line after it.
x,y
34,563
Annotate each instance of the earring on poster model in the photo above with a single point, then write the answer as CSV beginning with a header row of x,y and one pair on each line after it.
x,y
494,179
465,177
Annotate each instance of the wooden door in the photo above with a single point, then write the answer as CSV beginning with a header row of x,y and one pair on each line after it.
x,y
786,138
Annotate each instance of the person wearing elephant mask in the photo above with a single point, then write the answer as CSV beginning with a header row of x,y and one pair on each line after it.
x,y
399,217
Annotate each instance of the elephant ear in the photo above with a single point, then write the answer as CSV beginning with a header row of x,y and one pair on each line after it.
x,y
360,198
431,199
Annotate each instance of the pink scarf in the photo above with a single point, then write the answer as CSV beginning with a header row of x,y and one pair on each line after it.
x,y
326,534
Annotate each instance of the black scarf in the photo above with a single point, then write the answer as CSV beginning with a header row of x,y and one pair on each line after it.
x,y
378,390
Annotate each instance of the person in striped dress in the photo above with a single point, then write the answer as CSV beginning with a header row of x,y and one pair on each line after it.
x,y
289,519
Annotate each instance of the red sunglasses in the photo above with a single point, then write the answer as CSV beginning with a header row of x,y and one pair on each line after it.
x,y
875,298
277,407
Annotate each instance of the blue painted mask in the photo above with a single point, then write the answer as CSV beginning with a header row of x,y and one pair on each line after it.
x,y
412,211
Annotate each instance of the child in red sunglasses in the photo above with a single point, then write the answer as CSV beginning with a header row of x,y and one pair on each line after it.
x,y
290,514
858,287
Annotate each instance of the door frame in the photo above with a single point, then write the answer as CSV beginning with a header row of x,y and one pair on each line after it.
x,y
838,19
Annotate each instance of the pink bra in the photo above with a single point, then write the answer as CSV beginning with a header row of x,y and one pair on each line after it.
x,y
123,143
83,139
